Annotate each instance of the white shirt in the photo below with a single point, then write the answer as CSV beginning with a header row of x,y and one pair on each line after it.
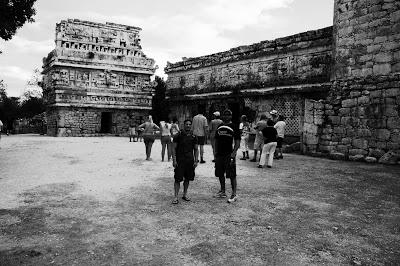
x,y
280,128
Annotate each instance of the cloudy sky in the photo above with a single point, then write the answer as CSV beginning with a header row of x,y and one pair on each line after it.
x,y
171,29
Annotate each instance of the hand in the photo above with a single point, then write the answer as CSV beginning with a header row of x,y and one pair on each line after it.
x,y
233,154
174,163
195,164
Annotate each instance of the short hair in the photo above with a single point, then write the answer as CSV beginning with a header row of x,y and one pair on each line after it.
x,y
244,118
186,120
263,117
270,123
227,111
282,117
175,119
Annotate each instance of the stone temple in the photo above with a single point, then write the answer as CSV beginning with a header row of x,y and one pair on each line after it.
x,y
339,87
96,79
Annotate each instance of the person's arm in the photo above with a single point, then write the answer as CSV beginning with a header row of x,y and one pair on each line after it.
x,y
174,145
142,125
235,148
156,127
196,155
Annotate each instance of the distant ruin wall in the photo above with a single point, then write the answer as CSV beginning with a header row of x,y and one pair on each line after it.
x,y
297,59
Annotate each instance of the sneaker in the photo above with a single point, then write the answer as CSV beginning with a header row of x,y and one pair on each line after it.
x,y
253,160
260,166
220,194
233,198
269,166
202,161
243,158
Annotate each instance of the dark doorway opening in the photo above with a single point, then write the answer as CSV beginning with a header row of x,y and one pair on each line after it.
x,y
235,108
106,122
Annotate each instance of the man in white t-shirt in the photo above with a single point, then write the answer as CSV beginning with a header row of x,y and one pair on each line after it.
x,y
200,129
280,128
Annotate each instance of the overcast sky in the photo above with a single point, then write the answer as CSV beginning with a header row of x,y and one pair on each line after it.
x,y
171,29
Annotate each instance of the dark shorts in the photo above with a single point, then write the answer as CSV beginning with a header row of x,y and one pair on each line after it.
x,y
279,141
224,166
184,171
201,140
148,139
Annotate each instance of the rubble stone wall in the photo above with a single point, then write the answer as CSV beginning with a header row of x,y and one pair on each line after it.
x,y
360,119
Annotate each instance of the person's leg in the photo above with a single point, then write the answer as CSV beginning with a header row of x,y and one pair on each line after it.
x,y
263,156
163,144
169,149
177,186
212,140
201,153
150,145
233,185
271,148
220,173
146,144
185,188
255,155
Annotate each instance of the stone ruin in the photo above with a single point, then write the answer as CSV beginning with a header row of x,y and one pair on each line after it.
x,y
339,87
96,79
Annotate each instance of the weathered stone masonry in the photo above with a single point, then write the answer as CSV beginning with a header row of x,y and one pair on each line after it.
x,y
343,82
360,119
254,79
95,79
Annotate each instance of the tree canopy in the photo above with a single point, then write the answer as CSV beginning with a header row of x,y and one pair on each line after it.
x,y
13,15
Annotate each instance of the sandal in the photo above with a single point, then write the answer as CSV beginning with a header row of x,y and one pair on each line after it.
x,y
175,201
186,198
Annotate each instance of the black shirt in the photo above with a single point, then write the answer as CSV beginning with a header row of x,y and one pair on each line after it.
x,y
269,134
224,137
185,145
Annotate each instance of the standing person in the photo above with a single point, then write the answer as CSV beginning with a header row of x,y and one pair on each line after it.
x,y
185,154
269,144
259,140
274,115
165,139
244,128
174,127
280,129
200,128
148,135
132,129
226,136
214,124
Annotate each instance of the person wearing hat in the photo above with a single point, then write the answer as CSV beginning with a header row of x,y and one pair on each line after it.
x,y
214,124
227,142
274,115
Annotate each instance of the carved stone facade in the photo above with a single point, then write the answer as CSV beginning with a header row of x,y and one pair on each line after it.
x,y
95,79
339,86
254,79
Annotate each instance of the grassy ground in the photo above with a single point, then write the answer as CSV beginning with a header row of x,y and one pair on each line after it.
x,y
96,201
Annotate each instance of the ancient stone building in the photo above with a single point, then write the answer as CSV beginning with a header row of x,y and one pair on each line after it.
x,y
254,79
339,86
96,79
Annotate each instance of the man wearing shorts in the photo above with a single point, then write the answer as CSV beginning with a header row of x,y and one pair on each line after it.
x,y
200,129
227,142
185,156
280,128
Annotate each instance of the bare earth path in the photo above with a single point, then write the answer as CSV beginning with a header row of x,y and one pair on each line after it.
x,y
96,201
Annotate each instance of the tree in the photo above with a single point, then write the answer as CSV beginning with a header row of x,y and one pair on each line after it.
x,y
13,15
160,108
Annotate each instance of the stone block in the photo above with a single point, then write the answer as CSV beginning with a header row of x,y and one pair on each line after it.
x,y
356,158
366,72
381,145
311,139
335,120
337,156
363,100
344,111
318,120
391,110
370,159
355,94
393,122
329,112
349,103
339,130
342,149
346,141
310,129
360,144
353,152
383,58
326,137
382,69
393,92
364,132
395,16
309,118
395,136
389,158
393,145
382,134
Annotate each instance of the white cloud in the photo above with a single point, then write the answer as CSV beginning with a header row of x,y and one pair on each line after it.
x,y
24,45
15,72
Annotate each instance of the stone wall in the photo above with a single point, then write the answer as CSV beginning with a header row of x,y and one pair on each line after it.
x,y
366,38
297,59
78,122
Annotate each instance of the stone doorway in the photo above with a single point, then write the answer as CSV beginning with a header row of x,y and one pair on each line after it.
x,y
235,108
106,122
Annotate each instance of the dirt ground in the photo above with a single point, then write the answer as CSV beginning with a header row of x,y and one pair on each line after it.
x,y
96,201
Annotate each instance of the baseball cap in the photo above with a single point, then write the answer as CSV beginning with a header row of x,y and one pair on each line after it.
x,y
273,112
217,113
